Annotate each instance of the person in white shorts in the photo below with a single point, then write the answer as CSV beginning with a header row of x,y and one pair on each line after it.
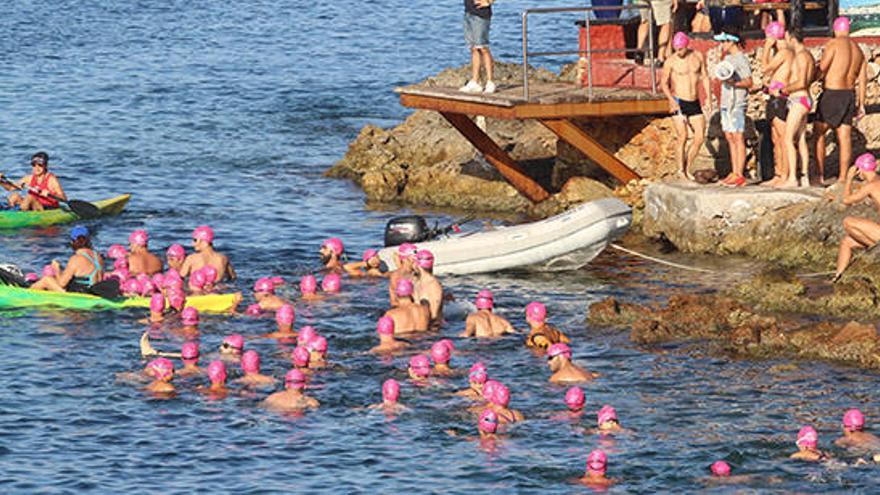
x,y
663,10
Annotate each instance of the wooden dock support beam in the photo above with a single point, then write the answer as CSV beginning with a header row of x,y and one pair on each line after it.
x,y
506,165
575,136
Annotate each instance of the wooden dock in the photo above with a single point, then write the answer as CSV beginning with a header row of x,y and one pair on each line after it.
x,y
555,105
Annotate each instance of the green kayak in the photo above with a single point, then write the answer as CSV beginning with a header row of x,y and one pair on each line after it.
x,y
19,297
19,219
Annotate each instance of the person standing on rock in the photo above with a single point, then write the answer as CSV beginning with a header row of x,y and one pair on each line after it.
x,y
736,80
799,105
842,68
477,17
682,72
776,61
861,233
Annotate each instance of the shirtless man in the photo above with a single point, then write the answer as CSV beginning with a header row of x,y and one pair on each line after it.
x,y
250,366
564,371
441,353
861,233
499,401
162,372
264,293
408,316
477,377
776,60
284,318
681,74
369,266
842,68
597,465
203,239
404,259
140,259
426,288
39,184
331,254
799,105
390,394
217,376
189,354
854,435
387,342
293,398
484,323
807,443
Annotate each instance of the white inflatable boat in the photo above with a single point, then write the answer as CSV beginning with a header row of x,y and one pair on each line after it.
x,y
564,242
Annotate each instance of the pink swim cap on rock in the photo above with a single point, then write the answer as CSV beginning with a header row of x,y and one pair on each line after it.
x,y
335,245
189,351
574,398
250,362
203,233
308,284
306,334
606,414
485,300
317,344
117,251
390,390
176,252
331,283
853,420
385,326
597,462
841,25
295,379
139,238
500,396
369,254
488,422
866,162
234,341
300,357
264,285
406,250
217,372
285,315
190,316
420,366
440,353
559,349
49,271
253,310
807,437
404,288
161,368
720,468
536,312
157,303
425,259
680,40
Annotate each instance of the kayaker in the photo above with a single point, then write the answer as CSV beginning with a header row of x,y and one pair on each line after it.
x,y
203,244
542,335
426,287
292,398
485,323
83,269
403,260
369,266
331,254
408,316
140,259
39,184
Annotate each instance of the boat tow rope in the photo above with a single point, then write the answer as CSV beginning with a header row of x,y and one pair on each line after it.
x,y
701,270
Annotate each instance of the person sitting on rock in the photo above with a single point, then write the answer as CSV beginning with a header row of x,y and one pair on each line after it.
x,y
861,233
408,316
485,323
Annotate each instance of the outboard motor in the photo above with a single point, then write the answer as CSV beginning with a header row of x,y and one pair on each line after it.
x,y
412,228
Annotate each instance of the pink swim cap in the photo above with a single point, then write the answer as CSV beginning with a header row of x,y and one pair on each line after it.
x,y
536,312
32,277
775,30
147,288
278,281
250,362
189,316
217,372
253,310
142,276
49,271
318,344
720,468
305,334
853,420
406,250
172,276
425,259
574,398
189,351
157,303
117,251
479,366
264,285
559,349
866,162
488,422
420,365
203,233
500,396
139,238
597,462
176,299
234,341
331,283
390,390
335,245
197,280
210,274
120,263
841,25
285,315
440,353
489,389
606,414
485,300
807,437
680,40
161,368
478,376
404,288
300,357
308,284
385,326
176,252
448,343
295,379
158,280
369,254
131,287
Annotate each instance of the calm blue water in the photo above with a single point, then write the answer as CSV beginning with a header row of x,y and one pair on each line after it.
x,y
227,114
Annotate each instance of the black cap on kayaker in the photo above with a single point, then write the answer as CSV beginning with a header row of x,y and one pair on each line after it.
x,y
40,158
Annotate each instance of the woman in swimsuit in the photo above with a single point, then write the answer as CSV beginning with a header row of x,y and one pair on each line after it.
x,y
84,268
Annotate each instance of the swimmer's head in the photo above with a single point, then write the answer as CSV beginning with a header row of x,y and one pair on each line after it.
x,y
147,287
606,415
204,234
485,300
49,271
232,344
198,280
558,350
597,462
334,244
680,41
175,252
120,263
404,288
866,163
425,260
575,399
390,390
139,238
488,422
478,377
853,420
385,326
720,468
807,437
217,372
189,316
161,369
210,275
500,395
250,362
841,25
419,367
440,353
264,286
253,310
131,287
189,352
285,315
157,303
331,283
117,252
172,276
176,299
775,30
448,343
295,379
158,280
308,284
489,389
407,251
305,334
369,254
278,281
536,312
300,357
317,345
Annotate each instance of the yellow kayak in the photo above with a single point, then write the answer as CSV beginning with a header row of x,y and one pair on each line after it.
x,y
14,219
19,297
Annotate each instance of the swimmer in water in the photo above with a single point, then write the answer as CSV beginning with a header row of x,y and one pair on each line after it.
x,y
419,369
854,436
157,308
203,244
250,366
301,358
176,299
426,288
369,266
231,348
404,259
331,254
607,422
285,316
485,323
141,260
317,347
477,377
292,398
331,284
264,293
217,375
597,466
189,317
387,342
487,425
308,287
541,335
807,443
408,316
441,352
499,401
161,370
575,400
174,257
390,394
189,354
564,371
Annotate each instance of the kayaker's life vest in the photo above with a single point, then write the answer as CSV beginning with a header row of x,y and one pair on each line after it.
x,y
43,186
545,336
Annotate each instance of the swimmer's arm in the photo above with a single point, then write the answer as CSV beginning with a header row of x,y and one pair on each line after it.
x,y
849,197
469,327
664,85
773,64
353,269
765,55
230,272
186,268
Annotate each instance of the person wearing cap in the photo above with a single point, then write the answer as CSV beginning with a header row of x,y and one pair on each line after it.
x,y
808,446
292,398
369,266
842,69
427,289
39,185
799,105
854,434
682,74
404,259
330,253
597,466
484,323
203,244
140,259
736,81
776,60
409,315
861,233
564,370
83,270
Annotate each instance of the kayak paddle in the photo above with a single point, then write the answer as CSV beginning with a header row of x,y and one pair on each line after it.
x,y
82,209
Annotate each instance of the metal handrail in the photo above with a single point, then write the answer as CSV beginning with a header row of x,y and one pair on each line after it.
x,y
584,53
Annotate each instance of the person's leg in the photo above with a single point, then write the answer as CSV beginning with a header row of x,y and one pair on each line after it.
x,y
680,126
47,283
475,65
14,199
844,254
844,144
663,42
780,162
804,152
818,142
488,63
738,143
862,230
698,123
796,115
642,35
